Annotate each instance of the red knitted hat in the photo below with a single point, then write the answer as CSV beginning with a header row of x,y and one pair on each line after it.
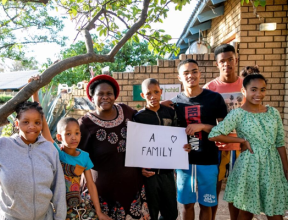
x,y
103,77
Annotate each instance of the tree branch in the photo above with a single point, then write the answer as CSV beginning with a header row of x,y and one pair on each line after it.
x,y
91,24
121,19
132,30
40,1
88,41
157,17
46,77
30,42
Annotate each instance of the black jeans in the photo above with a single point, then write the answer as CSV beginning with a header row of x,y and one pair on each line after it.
x,y
161,196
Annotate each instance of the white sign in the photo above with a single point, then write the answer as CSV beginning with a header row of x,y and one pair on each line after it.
x,y
154,146
169,91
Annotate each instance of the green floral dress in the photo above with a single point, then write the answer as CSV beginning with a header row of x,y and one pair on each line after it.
x,y
257,183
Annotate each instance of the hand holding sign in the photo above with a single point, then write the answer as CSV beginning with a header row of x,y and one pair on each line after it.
x,y
156,146
147,173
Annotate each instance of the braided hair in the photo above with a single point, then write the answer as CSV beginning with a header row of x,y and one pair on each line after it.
x,y
249,73
24,106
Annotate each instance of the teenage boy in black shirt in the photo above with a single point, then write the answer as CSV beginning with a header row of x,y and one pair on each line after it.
x,y
198,110
159,183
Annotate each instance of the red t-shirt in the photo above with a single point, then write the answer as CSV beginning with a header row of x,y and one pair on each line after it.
x,y
233,98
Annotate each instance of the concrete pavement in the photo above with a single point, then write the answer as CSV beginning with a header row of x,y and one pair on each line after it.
x,y
223,212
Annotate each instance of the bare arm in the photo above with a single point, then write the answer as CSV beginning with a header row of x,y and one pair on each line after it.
x,y
283,156
45,129
192,128
94,195
167,103
228,139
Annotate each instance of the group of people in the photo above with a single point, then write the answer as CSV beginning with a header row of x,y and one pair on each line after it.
x,y
90,180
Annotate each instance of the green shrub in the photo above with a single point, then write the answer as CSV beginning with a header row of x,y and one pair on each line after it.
x,y
5,98
7,130
52,115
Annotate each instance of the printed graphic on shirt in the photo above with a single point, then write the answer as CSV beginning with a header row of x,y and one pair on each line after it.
x,y
167,121
193,116
72,182
233,100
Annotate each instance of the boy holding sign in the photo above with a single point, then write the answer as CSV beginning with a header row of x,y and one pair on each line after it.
x,y
159,183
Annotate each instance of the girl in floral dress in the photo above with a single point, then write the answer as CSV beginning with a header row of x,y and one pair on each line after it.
x,y
258,182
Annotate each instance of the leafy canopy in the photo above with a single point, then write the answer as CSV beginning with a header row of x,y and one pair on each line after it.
x,y
131,54
26,23
112,17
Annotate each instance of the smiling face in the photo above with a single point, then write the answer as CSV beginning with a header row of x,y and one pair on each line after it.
x,y
29,125
104,97
70,136
255,91
152,95
226,63
189,75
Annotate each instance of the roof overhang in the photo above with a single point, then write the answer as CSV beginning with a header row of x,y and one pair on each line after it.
x,y
200,19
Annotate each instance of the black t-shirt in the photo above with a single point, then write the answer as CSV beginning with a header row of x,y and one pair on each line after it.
x,y
204,108
164,116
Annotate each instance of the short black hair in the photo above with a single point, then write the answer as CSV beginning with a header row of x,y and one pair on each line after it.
x,y
249,73
223,48
186,61
27,105
64,122
148,82
94,85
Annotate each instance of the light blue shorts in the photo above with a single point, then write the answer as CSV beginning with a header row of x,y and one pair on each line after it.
x,y
199,180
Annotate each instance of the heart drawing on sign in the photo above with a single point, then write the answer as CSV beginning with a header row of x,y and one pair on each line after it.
x,y
173,138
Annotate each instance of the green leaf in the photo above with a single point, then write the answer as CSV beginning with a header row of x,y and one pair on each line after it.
x,y
136,38
247,1
4,2
263,3
150,47
101,32
74,11
256,3
242,2
147,26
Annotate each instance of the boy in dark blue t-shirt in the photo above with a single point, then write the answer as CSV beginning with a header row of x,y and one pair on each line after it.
x,y
159,183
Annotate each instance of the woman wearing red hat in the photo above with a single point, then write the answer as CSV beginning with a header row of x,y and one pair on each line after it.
x,y
121,190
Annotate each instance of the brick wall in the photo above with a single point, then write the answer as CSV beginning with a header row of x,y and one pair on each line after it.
x,y
266,48
226,27
165,72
